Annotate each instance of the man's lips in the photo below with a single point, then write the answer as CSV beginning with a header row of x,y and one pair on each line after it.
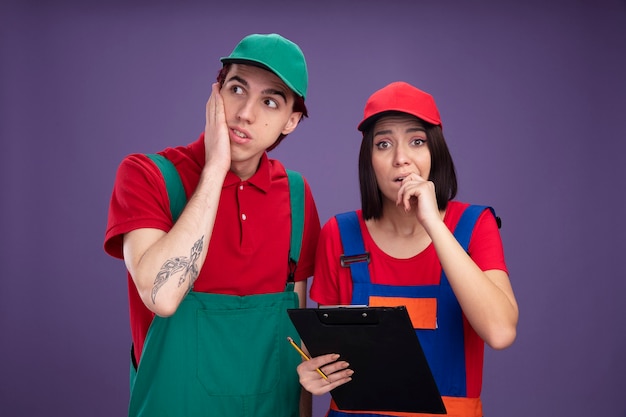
x,y
239,136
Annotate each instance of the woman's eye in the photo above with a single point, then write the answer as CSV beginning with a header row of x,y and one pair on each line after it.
x,y
383,145
418,142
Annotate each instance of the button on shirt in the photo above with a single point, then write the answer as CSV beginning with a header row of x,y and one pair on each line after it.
x,y
249,248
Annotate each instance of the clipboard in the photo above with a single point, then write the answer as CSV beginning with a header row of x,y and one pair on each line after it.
x,y
390,370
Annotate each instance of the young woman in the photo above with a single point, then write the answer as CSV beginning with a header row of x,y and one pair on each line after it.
x,y
407,225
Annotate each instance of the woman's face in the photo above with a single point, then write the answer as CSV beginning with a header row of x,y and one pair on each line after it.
x,y
399,149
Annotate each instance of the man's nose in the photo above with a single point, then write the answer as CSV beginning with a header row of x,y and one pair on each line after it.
x,y
246,111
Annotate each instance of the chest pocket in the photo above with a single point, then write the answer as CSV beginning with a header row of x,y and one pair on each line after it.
x,y
422,311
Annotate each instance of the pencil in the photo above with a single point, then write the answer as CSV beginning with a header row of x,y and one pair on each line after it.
x,y
304,356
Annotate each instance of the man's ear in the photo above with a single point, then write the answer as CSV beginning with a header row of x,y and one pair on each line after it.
x,y
292,123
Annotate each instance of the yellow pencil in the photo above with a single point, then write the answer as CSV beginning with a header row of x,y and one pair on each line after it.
x,y
304,356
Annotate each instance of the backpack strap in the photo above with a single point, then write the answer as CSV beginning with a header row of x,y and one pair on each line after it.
x,y
173,184
296,199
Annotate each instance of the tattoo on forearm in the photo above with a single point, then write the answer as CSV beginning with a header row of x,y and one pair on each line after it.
x,y
188,266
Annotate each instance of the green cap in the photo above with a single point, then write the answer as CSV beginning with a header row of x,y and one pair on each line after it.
x,y
275,53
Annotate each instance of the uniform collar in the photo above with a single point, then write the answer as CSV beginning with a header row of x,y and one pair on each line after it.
x,y
261,178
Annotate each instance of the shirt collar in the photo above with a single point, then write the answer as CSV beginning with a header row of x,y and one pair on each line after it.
x,y
261,178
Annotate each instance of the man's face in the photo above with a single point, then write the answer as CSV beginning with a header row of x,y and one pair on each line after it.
x,y
258,108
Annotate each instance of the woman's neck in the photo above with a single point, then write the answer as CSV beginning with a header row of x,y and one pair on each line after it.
x,y
398,233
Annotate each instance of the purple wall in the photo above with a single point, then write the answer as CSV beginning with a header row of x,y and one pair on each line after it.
x,y
532,94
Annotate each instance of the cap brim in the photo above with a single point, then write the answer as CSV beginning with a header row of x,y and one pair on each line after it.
x,y
366,123
227,60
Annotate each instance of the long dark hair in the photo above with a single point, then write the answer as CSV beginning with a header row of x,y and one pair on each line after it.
x,y
442,171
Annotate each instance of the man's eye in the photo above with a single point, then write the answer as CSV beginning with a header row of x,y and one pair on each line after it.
x,y
237,90
271,103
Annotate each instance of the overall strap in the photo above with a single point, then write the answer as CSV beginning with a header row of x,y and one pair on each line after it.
x,y
354,256
178,199
176,195
465,226
446,351
173,184
296,199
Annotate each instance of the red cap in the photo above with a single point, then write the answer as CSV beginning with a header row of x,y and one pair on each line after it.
x,y
402,97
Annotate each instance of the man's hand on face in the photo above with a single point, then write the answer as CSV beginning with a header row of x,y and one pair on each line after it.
x,y
216,136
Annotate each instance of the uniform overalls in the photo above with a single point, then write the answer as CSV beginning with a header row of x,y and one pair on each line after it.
x,y
222,355
441,335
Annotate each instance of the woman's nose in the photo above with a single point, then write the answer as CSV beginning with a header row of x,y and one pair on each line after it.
x,y
399,156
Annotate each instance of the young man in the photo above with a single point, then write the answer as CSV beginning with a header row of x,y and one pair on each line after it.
x,y
208,291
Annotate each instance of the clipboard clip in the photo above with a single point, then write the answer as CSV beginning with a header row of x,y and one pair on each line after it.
x,y
347,260
348,316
